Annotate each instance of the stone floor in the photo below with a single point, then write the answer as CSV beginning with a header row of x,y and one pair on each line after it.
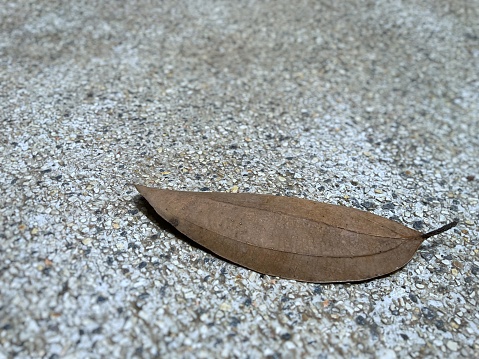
x,y
369,104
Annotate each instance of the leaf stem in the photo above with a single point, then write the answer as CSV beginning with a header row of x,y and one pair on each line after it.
x,y
440,230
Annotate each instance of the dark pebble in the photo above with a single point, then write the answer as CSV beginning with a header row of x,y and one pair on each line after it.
x,y
388,206
286,336
427,256
143,296
274,356
162,290
374,330
413,297
428,313
418,225
355,203
46,271
475,270
360,320
440,325
235,321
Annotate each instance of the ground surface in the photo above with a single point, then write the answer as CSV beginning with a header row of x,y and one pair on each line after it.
x,y
367,104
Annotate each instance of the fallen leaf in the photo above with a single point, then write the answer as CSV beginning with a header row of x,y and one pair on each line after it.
x,y
290,237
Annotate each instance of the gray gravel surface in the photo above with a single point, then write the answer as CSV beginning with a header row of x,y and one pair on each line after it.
x,y
369,104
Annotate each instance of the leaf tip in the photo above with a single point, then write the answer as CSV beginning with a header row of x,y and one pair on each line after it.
x,y
142,189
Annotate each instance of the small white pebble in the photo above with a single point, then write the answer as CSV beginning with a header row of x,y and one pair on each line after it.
x,y
386,354
451,345
225,307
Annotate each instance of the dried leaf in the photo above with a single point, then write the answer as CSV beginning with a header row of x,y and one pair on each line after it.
x,y
290,237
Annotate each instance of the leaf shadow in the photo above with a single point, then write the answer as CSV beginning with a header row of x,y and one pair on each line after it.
x,y
147,209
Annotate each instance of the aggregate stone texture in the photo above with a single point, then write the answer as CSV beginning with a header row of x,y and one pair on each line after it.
x,y
368,104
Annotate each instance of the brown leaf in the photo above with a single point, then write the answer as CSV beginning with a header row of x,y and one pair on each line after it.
x,y
290,237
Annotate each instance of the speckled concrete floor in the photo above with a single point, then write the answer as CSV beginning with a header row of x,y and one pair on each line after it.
x,y
367,104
